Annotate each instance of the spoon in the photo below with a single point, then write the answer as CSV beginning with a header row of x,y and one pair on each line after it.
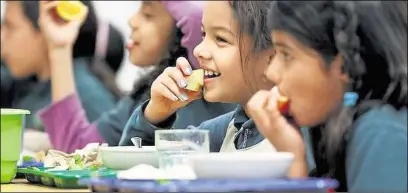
x,y
137,141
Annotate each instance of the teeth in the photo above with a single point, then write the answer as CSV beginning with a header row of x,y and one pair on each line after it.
x,y
210,73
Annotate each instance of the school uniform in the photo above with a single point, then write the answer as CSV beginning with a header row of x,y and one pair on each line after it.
x,y
233,131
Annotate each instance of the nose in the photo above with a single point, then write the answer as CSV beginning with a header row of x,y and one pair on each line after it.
x,y
133,21
274,71
201,53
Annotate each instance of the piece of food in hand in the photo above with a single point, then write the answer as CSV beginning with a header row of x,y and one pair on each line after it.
x,y
196,80
283,105
71,10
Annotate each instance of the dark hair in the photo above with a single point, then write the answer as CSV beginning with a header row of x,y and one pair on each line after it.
x,y
86,41
251,17
141,89
371,37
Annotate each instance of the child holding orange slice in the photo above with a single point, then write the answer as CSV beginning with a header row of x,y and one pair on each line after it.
x,y
26,76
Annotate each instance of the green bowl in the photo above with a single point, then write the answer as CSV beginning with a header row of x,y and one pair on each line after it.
x,y
12,122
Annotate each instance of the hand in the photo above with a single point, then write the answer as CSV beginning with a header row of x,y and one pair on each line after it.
x,y
168,93
57,32
263,109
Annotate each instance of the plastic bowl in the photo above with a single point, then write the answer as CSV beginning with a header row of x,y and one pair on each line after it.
x,y
12,122
241,165
125,157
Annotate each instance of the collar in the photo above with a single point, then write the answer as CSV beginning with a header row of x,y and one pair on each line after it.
x,y
241,120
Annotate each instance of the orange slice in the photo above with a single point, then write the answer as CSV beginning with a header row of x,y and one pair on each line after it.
x,y
70,10
196,80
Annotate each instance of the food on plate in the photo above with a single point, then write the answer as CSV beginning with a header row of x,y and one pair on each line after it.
x,y
283,105
196,80
86,158
70,10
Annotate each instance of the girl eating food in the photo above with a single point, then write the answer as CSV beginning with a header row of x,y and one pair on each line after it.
x,y
343,67
234,52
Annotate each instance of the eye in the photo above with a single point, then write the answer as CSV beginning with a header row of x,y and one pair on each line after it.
x,y
270,58
220,39
147,15
286,55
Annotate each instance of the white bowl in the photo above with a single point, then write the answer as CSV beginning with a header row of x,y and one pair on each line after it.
x,y
238,165
125,157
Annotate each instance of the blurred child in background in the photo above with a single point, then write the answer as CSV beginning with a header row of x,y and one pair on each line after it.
x,y
26,79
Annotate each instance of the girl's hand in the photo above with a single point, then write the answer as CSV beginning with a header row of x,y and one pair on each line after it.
x,y
263,109
57,32
168,93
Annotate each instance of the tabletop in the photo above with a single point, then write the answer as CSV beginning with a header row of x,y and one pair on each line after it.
x,y
22,185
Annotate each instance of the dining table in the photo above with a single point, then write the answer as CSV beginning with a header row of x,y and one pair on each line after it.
x,y
22,185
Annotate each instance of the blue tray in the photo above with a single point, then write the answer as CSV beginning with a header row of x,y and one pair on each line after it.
x,y
28,164
245,185
31,164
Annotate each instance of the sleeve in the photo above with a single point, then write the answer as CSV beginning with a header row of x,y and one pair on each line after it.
x,y
139,126
377,158
69,129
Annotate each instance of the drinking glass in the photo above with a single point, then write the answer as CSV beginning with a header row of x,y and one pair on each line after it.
x,y
175,144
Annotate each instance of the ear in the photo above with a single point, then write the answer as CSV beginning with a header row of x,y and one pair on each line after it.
x,y
338,69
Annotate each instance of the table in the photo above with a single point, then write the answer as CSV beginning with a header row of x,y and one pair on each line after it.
x,y
22,185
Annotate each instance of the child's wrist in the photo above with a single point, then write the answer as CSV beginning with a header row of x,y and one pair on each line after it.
x,y
54,49
60,53
156,114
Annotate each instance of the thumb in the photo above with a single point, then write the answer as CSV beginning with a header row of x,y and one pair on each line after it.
x,y
84,15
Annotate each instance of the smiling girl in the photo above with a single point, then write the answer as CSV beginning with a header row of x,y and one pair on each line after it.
x,y
343,65
234,53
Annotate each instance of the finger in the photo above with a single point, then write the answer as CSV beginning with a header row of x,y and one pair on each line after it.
x,y
261,120
258,100
273,99
173,87
273,112
183,64
164,91
177,76
45,6
256,109
85,14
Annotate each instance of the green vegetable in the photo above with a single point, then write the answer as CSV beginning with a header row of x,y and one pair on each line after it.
x,y
93,168
76,163
28,159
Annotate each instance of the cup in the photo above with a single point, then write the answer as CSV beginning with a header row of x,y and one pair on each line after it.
x,y
174,145
12,122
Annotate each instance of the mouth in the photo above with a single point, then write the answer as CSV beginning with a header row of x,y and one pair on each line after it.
x,y
132,44
208,74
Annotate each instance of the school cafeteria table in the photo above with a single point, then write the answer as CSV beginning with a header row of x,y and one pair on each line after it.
x,y
22,185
